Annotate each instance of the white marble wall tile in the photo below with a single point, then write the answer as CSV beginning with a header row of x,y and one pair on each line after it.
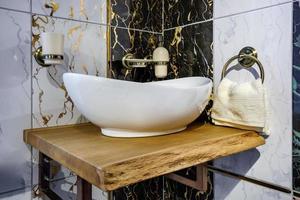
x,y
229,7
232,189
98,194
84,45
17,195
15,100
22,5
86,10
85,52
270,32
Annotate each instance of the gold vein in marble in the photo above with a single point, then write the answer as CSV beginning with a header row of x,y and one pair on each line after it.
x,y
72,30
82,9
85,69
54,6
177,39
76,45
39,25
71,13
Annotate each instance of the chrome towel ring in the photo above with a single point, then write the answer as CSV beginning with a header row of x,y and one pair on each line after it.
x,y
247,57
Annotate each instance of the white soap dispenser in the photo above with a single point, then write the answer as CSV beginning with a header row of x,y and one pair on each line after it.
x,y
161,58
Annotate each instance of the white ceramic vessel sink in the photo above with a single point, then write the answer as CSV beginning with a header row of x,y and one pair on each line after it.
x,y
130,109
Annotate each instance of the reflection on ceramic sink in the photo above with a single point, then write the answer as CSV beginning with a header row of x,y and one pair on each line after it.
x,y
130,109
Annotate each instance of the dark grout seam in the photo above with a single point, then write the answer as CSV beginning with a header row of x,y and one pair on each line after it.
x,y
251,180
82,21
230,15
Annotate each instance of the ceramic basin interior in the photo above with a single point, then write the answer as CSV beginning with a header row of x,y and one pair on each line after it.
x,y
131,109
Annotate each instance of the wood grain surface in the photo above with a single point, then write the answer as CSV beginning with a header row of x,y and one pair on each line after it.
x,y
110,163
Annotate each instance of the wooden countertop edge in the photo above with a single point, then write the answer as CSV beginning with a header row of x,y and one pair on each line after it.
x,y
115,177
144,167
45,148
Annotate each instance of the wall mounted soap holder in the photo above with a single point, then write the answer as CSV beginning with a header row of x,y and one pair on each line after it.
x,y
51,51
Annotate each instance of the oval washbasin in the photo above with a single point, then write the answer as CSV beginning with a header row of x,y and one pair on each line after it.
x,y
131,109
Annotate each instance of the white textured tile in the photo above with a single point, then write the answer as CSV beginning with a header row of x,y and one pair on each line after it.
x,y
23,5
98,194
229,7
226,188
269,31
17,195
86,10
85,52
84,44
15,100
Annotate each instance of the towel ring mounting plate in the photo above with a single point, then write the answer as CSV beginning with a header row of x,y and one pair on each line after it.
x,y
247,57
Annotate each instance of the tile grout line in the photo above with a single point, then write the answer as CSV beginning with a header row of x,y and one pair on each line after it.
x,y
163,43
163,19
190,24
81,21
230,15
31,103
255,181
292,125
15,190
295,192
253,10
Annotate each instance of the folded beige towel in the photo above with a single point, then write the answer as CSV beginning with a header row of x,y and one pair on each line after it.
x,y
240,105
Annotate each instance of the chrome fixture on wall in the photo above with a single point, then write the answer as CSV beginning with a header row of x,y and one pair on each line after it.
x,y
247,57
160,59
52,49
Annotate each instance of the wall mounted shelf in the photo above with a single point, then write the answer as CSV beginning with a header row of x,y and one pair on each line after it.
x,y
110,163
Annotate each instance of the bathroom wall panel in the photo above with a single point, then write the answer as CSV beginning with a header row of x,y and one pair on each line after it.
x,y
84,10
230,7
183,12
191,53
22,5
15,101
269,31
138,43
234,189
190,50
23,194
137,14
84,44
296,96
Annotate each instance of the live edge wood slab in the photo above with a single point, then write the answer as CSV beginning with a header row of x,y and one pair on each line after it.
x,y
110,163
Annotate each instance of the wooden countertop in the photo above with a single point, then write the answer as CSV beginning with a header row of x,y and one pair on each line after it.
x,y
110,163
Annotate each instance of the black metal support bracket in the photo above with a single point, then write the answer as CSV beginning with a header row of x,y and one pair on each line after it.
x,y
201,179
84,189
44,177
